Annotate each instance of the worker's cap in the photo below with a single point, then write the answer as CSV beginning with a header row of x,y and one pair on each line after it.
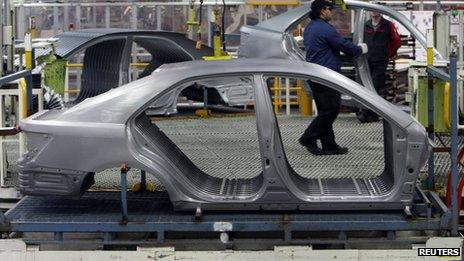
x,y
321,4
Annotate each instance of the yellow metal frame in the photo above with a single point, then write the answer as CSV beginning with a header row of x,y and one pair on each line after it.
x,y
276,88
23,90
303,99
446,106
80,65
33,33
29,60
72,91
429,56
192,15
217,58
218,53
149,186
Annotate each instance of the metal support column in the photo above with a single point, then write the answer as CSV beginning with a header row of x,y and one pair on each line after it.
x,y
185,13
79,57
107,16
65,18
10,41
461,38
287,96
431,161
134,16
21,22
452,78
3,170
55,20
174,18
430,129
245,16
421,5
94,16
1,39
133,72
210,36
28,79
78,16
158,17
461,58
454,145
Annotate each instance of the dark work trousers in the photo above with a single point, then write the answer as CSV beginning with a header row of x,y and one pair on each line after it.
x,y
328,106
378,72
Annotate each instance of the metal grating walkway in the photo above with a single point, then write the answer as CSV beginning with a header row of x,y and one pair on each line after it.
x,y
228,146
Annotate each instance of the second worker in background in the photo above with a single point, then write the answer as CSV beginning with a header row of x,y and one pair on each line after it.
x,y
383,42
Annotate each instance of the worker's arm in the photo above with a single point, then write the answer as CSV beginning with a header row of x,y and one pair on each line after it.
x,y
337,42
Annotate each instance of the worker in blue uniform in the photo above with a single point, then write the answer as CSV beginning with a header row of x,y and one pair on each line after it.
x,y
324,44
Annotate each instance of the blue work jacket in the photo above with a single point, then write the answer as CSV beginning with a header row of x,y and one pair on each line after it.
x,y
323,45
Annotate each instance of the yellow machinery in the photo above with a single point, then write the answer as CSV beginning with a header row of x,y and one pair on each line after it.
x,y
441,108
194,23
192,17
218,39
28,51
441,93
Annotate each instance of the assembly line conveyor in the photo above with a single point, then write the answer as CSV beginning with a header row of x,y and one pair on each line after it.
x,y
103,212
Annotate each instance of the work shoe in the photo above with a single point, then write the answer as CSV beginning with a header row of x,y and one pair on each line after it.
x,y
311,146
335,151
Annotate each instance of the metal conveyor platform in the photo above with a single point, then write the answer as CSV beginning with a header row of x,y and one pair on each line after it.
x,y
153,213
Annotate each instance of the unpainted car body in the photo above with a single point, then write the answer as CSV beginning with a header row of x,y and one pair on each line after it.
x,y
108,54
66,147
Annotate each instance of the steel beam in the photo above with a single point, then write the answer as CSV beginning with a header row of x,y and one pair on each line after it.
x,y
55,20
14,76
435,72
431,132
158,18
454,144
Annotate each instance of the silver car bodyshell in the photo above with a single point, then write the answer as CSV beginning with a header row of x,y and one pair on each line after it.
x,y
108,54
66,147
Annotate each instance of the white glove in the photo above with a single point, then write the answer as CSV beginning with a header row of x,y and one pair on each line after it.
x,y
363,47
299,39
